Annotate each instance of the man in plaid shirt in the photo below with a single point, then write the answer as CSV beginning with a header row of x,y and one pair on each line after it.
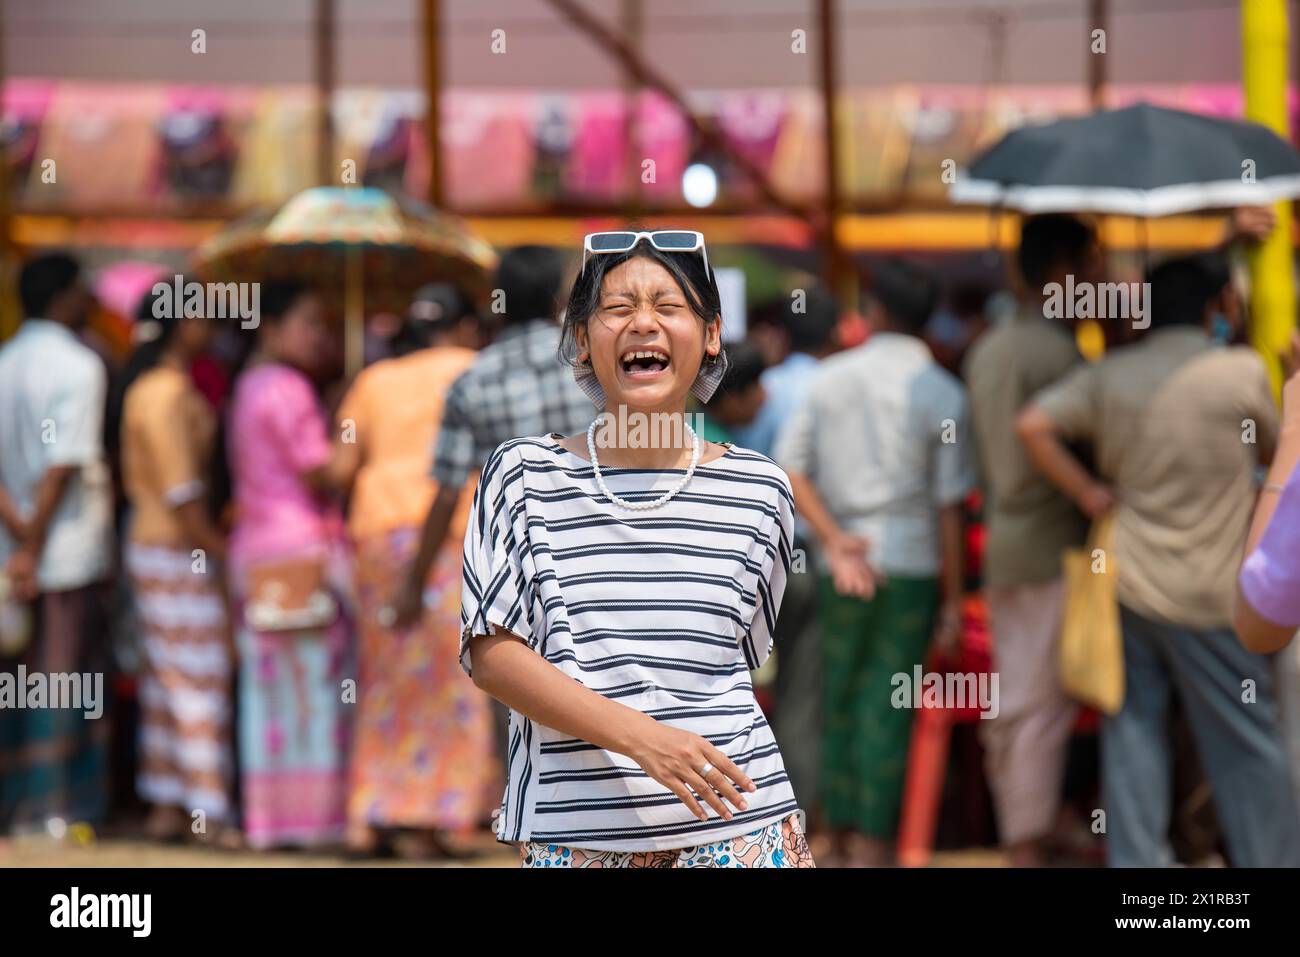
x,y
516,386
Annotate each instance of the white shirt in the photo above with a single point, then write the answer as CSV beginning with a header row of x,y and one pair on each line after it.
x,y
884,434
52,391
665,611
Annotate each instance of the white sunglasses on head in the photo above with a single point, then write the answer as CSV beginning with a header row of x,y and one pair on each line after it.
x,y
664,240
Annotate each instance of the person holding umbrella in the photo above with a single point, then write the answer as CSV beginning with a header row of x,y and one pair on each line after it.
x,y
287,577
1030,523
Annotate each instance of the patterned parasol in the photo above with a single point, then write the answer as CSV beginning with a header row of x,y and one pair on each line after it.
x,y
371,248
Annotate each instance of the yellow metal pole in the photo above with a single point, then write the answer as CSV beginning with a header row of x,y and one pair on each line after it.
x,y
1264,37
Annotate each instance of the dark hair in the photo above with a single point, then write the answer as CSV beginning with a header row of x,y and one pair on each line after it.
x,y
153,332
1181,288
687,269
43,279
908,292
813,329
529,277
278,297
1049,241
744,370
435,308
275,298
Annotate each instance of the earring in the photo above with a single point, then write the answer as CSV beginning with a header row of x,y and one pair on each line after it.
x,y
712,359
584,360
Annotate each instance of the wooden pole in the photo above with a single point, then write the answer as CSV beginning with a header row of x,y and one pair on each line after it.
x,y
647,76
431,24
633,24
839,275
324,68
1098,16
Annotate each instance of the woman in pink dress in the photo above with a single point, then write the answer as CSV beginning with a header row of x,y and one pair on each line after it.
x,y
293,700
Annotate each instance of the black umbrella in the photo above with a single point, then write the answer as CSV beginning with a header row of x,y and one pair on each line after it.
x,y
1142,160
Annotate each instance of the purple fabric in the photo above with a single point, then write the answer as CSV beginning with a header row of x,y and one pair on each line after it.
x,y
1270,577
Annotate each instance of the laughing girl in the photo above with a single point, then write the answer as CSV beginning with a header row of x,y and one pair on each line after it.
x,y
618,593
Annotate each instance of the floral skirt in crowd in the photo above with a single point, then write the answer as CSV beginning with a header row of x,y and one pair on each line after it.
x,y
781,844
424,751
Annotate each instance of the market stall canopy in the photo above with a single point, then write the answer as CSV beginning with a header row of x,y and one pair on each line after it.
x,y
1143,160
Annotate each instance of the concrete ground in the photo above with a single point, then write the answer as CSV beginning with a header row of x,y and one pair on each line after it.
x,y
137,852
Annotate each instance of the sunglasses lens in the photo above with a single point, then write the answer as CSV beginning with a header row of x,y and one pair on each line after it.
x,y
612,242
676,241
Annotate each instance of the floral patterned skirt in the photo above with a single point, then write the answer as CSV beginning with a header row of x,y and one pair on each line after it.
x,y
424,753
781,844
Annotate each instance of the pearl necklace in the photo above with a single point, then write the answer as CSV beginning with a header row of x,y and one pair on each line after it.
x,y
641,506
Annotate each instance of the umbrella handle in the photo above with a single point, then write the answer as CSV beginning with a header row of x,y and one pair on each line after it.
x,y
354,333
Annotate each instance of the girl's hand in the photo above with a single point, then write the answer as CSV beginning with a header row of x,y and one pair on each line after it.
x,y
674,758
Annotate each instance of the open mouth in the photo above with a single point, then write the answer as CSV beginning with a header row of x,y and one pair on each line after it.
x,y
644,362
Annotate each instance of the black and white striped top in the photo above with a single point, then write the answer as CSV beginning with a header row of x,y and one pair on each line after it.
x,y
665,611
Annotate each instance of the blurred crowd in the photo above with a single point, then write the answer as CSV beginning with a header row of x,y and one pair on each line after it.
x,y
271,556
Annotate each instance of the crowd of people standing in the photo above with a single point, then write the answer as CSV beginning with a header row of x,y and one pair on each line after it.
x,y
352,722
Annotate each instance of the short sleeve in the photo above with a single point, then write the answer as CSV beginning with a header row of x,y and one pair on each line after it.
x,y
77,417
495,593
1270,576
294,417
454,454
794,442
1072,403
954,459
756,643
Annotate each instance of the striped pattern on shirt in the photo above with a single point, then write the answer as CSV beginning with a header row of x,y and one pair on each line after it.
x,y
665,611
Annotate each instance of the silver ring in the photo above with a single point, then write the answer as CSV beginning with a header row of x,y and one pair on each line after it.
x,y
704,771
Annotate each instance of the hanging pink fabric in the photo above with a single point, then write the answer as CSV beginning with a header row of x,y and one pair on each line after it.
x,y
597,167
664,135
488,149
751,121
101,138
